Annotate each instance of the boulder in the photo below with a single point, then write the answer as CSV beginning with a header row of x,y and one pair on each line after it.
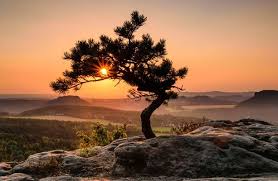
x,y
57,162
244,147
44,163
191,156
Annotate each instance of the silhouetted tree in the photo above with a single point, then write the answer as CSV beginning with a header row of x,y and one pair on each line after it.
x,y
140,63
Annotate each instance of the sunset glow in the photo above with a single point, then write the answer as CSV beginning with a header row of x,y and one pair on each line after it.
x,y
226,45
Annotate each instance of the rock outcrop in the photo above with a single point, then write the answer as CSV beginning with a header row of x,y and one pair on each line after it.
x,y
262,99
245,148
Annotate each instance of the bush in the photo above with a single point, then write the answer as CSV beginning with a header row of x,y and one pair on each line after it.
x,y
119,132
100,136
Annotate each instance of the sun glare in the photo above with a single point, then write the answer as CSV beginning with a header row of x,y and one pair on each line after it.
x,y
103,72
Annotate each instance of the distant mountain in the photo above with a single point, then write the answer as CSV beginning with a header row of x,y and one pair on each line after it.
x,y
14,105
262,99
234,98
216,93
68,100
17,105
201,100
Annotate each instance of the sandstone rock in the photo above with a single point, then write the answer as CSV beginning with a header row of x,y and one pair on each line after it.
x,y
220,124
17,177
57,163
4,172
79,166
5,166
44,163
4,169
273,139
187,156
161,178
61,178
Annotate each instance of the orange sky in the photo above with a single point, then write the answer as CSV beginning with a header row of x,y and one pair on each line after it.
x,y
227,45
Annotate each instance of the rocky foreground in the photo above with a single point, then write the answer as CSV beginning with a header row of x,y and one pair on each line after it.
x,y
221,150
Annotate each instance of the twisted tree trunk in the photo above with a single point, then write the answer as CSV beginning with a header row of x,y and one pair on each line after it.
x,y
146,116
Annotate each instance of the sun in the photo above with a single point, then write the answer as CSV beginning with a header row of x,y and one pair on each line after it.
x,y
102,69
103,72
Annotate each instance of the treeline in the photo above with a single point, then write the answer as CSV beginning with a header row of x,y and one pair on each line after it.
x,y
20,138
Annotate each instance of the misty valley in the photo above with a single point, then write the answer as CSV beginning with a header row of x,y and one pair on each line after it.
x,y
20,116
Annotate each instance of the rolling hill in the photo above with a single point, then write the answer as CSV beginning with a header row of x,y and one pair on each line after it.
x,y
17,105
68,100
113,115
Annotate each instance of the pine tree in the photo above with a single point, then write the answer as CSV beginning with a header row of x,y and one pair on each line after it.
x,y
141,63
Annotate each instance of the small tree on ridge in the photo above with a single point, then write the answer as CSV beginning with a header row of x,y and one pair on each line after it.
x,y
141,63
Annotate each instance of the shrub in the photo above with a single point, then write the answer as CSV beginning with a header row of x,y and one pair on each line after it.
x,y
100,136
119,132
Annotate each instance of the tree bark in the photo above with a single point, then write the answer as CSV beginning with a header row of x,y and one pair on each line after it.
x,y
146,116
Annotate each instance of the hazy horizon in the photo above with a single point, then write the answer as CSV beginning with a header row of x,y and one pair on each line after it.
x,y
53,94
227,45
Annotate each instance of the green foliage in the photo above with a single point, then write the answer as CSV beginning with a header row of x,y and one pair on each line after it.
x,y
18,147
20,138
100,136
119,132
